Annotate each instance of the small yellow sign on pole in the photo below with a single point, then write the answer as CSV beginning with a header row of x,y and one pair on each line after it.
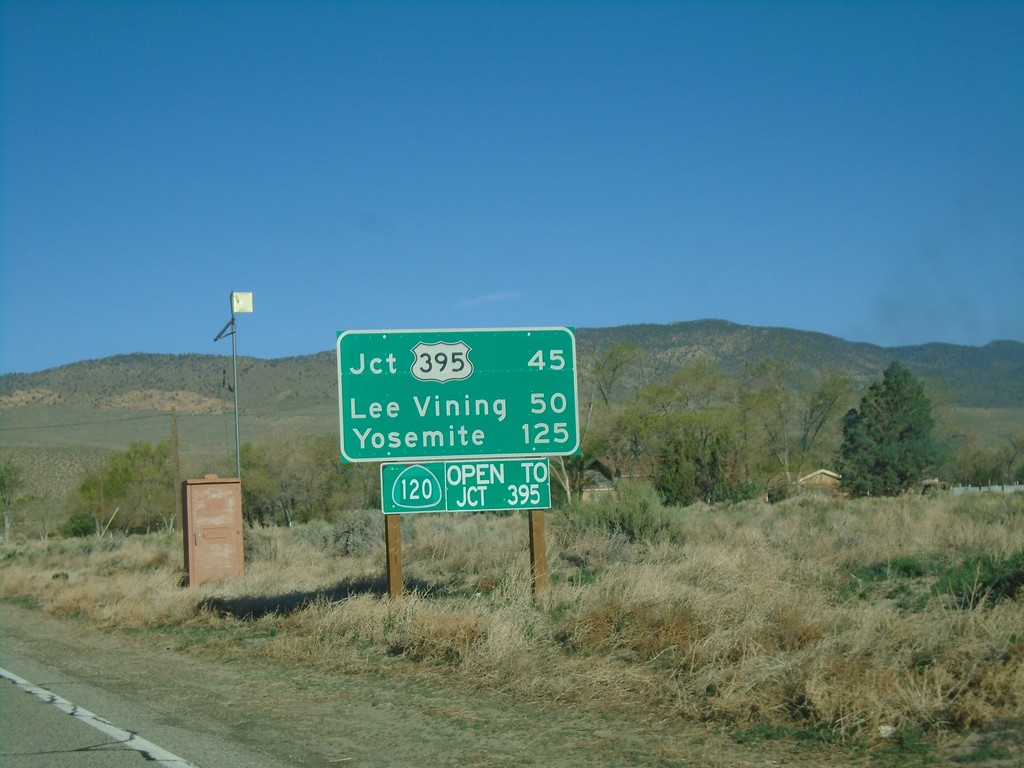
x,y
241,301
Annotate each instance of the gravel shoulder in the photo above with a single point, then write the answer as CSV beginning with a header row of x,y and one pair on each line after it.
x,y
217,712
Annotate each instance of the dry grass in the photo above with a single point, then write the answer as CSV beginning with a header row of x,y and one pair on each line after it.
x,y
816,614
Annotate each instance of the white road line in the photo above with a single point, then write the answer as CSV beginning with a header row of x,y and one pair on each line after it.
x,y
129,740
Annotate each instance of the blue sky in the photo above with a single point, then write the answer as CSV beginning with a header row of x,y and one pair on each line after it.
x,y
850,168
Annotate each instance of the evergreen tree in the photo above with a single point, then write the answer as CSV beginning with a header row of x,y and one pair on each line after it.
x,y
887,442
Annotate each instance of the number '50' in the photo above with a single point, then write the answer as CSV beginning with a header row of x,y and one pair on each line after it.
x,y
541,403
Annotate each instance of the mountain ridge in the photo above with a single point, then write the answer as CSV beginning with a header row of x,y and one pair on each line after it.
x,y
60,422
991,375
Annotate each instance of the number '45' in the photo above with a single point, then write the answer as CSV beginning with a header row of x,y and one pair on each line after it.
x,y
555,358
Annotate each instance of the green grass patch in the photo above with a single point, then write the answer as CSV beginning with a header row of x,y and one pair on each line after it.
x,y
984,578
972,581
904,579
31,603
993,747
773,732
906,747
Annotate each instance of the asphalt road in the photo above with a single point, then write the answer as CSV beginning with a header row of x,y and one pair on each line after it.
x,y
35,733
38,733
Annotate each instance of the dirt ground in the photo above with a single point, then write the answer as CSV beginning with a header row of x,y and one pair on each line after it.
x,y
293,717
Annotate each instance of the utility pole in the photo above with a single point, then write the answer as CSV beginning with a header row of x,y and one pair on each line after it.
x,y
176,460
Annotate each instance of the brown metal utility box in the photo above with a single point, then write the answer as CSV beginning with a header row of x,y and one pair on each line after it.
x,y
211,528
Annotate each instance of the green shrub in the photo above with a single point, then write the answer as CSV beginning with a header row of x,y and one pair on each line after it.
x,y
735,492
634,511
77,525
356,532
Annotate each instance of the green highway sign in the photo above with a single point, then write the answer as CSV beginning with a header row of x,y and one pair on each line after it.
x,y
465,486
457,394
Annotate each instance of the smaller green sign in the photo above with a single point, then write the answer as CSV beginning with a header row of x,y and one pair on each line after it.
x,y
465,486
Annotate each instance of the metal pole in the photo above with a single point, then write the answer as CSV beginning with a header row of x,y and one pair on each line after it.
x,y
234,386
244,305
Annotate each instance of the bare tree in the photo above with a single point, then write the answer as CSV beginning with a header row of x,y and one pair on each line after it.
x,y
1009,454
11,483
793,408
607,370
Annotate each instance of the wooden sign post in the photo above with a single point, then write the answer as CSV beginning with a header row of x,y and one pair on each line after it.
x,y
393,542
538,552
